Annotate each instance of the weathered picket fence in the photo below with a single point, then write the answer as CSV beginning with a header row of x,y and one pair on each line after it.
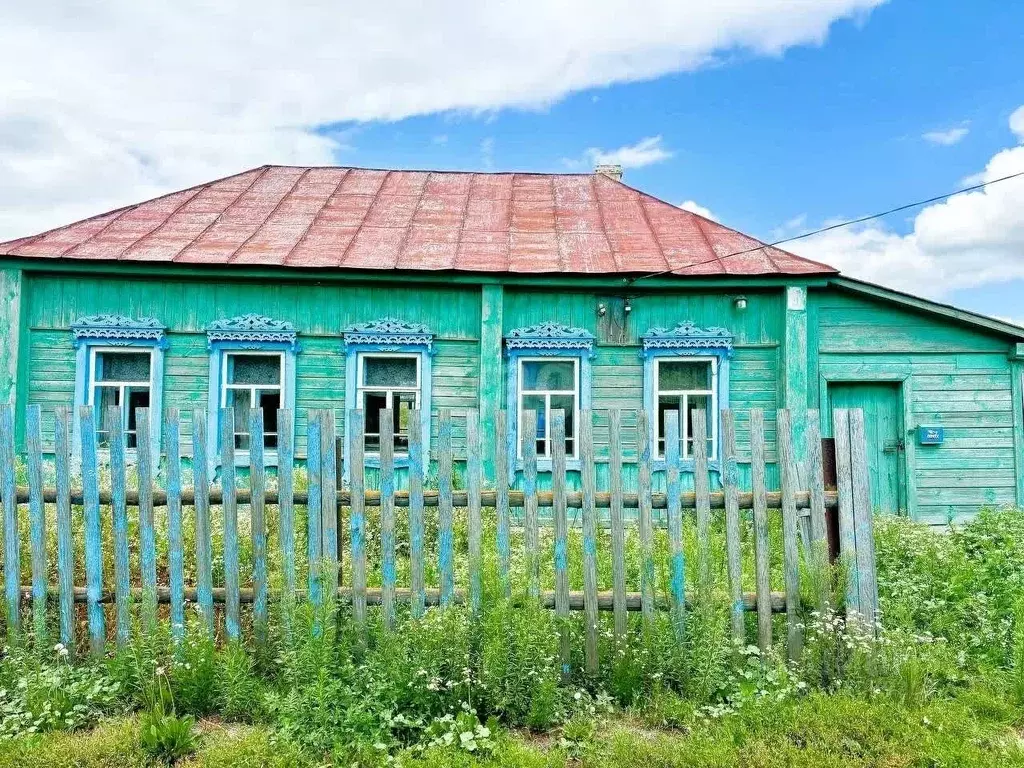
x,y
327,500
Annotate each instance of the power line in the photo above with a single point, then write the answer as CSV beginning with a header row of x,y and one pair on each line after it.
x,y
861,220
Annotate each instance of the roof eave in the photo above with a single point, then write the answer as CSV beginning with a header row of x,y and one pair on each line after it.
x,y
927,305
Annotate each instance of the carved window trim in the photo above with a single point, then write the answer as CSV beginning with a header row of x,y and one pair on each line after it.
x,y
400,337
248,333
113,331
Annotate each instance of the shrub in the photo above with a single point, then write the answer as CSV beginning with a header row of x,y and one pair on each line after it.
x,y
45,694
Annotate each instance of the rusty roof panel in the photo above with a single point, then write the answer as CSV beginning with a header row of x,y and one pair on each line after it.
x,y
376,219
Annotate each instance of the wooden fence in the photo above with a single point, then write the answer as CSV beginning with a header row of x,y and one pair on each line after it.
x,y
328,502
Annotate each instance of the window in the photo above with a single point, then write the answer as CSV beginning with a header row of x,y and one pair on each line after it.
x,y
119,379
252,366
388,381
684,387
253,380
547,385
388,365
548,369
686,369
119,363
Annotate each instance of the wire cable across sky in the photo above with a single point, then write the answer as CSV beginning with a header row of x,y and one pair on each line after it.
x,y
829,228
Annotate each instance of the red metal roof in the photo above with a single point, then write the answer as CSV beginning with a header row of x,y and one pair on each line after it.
x,y
359,218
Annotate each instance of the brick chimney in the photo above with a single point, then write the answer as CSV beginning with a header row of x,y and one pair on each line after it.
x,y
611,171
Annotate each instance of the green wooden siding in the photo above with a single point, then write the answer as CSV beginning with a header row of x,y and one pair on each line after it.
x,y
951,376
948,373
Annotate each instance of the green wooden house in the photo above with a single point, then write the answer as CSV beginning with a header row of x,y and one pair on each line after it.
x,y
344,287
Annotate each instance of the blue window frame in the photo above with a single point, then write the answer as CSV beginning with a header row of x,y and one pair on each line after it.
x,y
686,368
548,368
119,362
252,365
388,365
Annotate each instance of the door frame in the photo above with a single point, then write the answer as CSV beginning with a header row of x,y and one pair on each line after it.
x,y
901,374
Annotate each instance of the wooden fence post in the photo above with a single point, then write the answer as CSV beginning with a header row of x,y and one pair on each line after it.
x,y
674,510
203,527
647,579
65,547
790,544
119,512
357,519
586,438
12,548
733,544
329,503
286,506
258,522
37,520
416,534
387,516
617,523
863,519
445,532
147,533
501,483
175,545
229,505
473,479
557,443
762,567
531,535
93,532
314,492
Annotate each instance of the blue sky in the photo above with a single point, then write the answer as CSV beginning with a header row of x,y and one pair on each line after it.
x,y
777,116
775,146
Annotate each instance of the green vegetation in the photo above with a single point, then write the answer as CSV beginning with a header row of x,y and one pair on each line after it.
x,y
941,684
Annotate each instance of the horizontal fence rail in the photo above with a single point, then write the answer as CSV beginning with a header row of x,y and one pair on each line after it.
x,y
150,543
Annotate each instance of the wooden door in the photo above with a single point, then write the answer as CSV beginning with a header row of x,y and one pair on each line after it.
x,y
883,421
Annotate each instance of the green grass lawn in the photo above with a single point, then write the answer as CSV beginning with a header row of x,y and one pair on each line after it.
x,y
942,685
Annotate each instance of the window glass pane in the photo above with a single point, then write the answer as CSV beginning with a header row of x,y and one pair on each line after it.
x,y
122,366
389,371
103,399
567,404
137,397
373,402
536,404
239,401
549,375
405,403
270,401
693,404
667,404
675,375
254,369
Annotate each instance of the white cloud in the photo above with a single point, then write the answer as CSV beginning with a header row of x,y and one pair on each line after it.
x,y
645,152
108,102
1017,122
948,137
970,239
694,207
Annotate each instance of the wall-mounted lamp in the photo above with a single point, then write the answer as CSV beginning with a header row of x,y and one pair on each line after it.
x,y
602,310
628,307
740,302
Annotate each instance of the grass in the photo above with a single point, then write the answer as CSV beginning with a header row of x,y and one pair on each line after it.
x,y
942,686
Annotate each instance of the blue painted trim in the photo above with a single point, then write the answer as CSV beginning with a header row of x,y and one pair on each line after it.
x,y
217,350
685,340
152,340
585,356
425,350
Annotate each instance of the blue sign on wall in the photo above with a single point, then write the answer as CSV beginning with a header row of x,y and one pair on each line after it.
x,y
930,435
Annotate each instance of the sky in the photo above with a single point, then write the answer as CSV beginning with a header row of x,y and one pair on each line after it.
x,y
775,117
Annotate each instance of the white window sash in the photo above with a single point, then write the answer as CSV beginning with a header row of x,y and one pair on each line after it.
x,y
711,394
389,392
547,394
252,390
94,385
